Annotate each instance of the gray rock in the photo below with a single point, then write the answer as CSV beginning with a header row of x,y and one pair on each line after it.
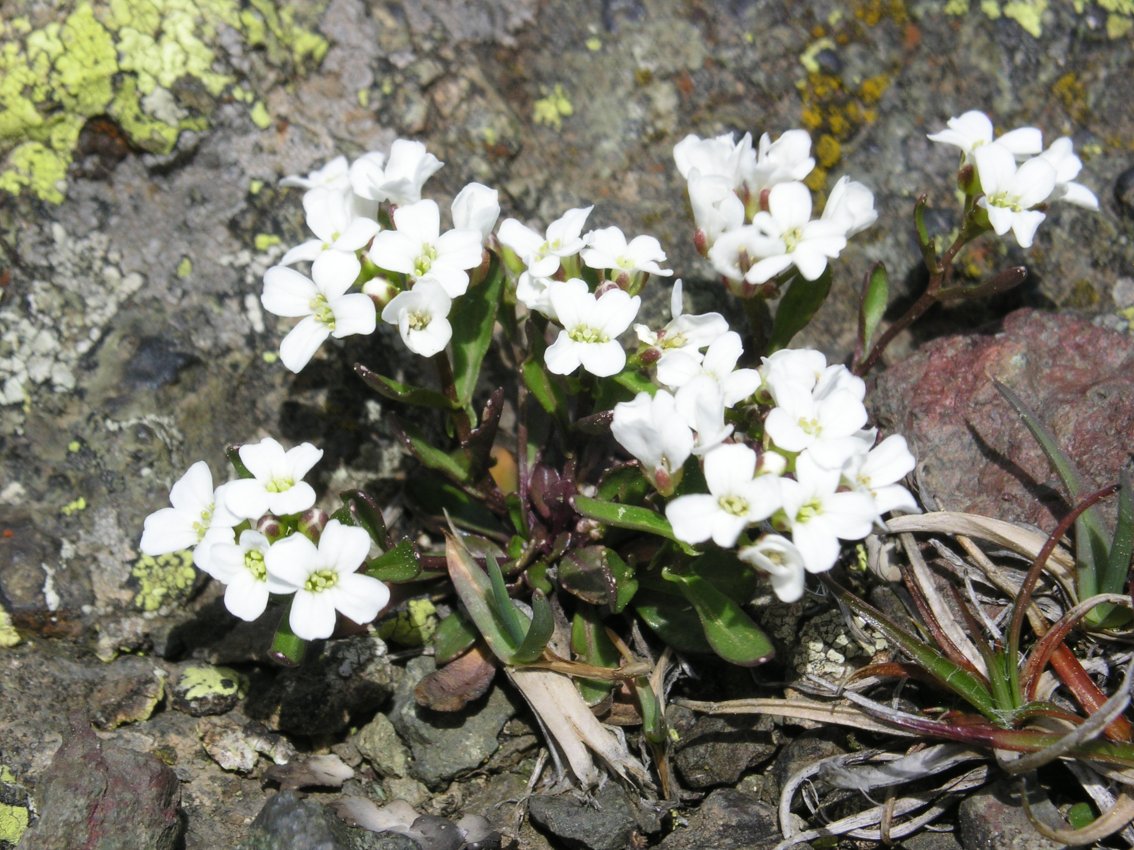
x,y
727,820
718,750
803,750
103,797
994,819
932,840
289,822
605,821
446,745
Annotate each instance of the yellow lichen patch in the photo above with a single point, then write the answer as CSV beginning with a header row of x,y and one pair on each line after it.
x,y
264,241
9,637
413,625
148,65
872,12
185,267
1029,15
553,107
827,151
1071,92
198,682
74,506
13,823
164,579
833,113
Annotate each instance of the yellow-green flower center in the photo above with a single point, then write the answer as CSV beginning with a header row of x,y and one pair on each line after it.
x,y
279,485
424,260
810,427
733,504
322,311
419,320
202,525
809,511
321,580
585,333
254,563
792,238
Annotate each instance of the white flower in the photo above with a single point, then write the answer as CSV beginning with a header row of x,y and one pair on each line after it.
x,y
418,248
826,427
716,206
476,207
542,253
790,237
590,329
195,513
973,130
1067,167
650,429
277,484
397,180
535,293
819,516
879,471
780,559
607,248
785,160
320,302
717,157
1011,192
736,498
801,366
325,580
335,221
851,205
679,366
333,175
421,315
684,331
701,406
241,566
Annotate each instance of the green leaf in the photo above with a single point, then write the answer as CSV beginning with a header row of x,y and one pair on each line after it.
x,y
625,484
628,516
801,301
233,455
395,566
875,298
597,575
436,498
404,393
544,389
591,644
653,719
538,631
453,464
502,602
671,618
635,381
1091,550
472,325
366,513
455,636
1118,561
948,674
730,631
475,590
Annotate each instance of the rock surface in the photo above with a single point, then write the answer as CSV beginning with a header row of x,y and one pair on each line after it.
x,y
132,341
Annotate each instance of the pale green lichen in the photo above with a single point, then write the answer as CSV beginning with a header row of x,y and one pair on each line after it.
x,y
74,506
185,267
264,241
553,107
9,637
164,579
13,823
414,625
199,682
1029,13
149,65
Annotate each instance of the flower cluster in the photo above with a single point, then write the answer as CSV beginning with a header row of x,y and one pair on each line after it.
x,y
753,212
247,534
1015,176
783,449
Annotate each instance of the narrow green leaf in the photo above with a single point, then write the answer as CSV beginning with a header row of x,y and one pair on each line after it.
x,y
950,675
653,719
455,636
233,455
875,299
1091,550
474,588
730,631
630,517
1118,562
404,393
544,389
472,330
538,631
501,602
636,382
453,464
925,242
671,619
796,308
396,565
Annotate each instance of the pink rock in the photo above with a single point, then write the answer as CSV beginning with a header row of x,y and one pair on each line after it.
x,y
974,454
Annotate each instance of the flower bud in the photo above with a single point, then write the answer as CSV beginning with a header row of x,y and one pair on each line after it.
x,y
270,526
311,523
381,291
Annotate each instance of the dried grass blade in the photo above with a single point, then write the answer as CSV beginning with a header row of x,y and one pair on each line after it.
x,y
797,709
1113,820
